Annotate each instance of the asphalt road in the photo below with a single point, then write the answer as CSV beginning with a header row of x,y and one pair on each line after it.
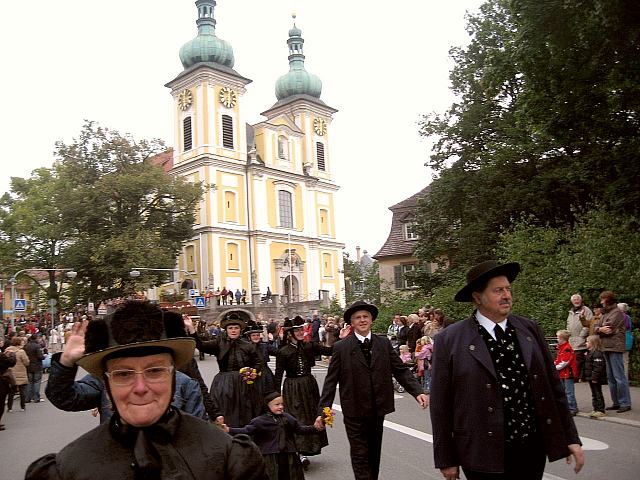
x,y
611,449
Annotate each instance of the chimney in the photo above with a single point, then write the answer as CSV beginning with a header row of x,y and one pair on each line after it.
x,y
357,254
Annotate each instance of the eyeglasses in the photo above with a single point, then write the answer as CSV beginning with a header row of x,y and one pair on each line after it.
x,y
150,375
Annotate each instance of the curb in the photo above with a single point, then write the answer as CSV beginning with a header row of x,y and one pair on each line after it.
x,y
618,420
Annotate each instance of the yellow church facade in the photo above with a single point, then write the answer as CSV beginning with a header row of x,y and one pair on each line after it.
x,y
267,216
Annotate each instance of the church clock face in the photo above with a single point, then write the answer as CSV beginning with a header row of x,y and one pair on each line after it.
x,y
185,99
319,126
228,97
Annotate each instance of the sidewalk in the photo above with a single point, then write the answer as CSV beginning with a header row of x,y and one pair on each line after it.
x,y
632,418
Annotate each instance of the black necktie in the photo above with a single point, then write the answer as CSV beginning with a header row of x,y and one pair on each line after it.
x,y
499,333
365,345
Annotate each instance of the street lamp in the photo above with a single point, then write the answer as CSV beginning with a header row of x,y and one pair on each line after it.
x,y
70,273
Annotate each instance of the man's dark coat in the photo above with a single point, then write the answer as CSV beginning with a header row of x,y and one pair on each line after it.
x,y
466,399
361,386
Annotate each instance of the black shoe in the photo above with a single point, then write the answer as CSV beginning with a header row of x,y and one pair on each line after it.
x,y
613,407
305,462
624,409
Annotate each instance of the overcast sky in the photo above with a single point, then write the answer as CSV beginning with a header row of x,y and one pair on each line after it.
x,y
382,65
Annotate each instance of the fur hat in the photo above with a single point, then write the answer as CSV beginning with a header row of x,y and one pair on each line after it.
x,y
360,305
232,319
484,272
136,326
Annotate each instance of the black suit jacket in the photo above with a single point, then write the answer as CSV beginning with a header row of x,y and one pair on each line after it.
x,y
365,391
466,399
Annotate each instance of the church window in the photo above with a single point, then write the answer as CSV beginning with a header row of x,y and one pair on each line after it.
x,y
285,205
283,147
190,256
227,131
186,132
327,265
324,222
230,207
320,156
232,257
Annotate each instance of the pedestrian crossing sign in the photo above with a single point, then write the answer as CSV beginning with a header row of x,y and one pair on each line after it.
x,y
200,302
20,305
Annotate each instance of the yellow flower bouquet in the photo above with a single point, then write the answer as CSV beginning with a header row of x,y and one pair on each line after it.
x,y
328,416
248,375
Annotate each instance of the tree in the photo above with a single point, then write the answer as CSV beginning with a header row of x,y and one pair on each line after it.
x,y
362,282
103,208
546,125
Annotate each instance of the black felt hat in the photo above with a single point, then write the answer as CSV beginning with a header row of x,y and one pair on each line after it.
x,y
297,322
232,319
360,305
483,272
136,326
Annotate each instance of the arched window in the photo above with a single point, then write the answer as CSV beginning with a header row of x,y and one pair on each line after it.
x,y
324,222
283,147
285,207
230,207
227,131
233,260
320,156
186,134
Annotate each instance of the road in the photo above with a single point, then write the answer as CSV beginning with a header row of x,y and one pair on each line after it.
x,y
611,449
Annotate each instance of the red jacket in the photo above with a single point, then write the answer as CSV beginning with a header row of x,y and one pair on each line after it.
x,y
566,354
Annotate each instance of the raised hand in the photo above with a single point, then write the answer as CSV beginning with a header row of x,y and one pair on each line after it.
x,y
74,346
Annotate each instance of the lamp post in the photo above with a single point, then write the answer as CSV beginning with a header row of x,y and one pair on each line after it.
x,y
135,271
70,273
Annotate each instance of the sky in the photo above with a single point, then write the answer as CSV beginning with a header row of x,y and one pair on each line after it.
x,y
382,64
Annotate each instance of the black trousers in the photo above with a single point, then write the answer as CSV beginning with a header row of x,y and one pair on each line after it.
x,y
365,440
523,461
580,358
597,399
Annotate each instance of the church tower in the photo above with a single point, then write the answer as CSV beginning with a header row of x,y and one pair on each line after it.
x,y
267,217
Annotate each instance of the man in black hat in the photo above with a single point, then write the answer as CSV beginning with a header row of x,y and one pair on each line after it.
x,y
363,364
497,405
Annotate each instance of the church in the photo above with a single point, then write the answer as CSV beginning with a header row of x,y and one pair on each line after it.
x,y
266,219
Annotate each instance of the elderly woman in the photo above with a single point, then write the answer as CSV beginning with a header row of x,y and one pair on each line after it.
x,y
136,354
238,399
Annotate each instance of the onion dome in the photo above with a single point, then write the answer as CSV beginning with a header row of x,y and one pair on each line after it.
x,y
206,47
298,81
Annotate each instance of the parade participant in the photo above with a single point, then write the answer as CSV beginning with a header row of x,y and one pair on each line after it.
x,y
238,399
497,404
135,351
89,392
275,434
362,366
300,390
264,382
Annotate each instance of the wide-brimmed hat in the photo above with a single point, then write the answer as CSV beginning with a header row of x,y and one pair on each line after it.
x,y
135,326
297,322
232,319
360,305
483,272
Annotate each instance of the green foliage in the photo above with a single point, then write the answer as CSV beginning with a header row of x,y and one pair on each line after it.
x,y
396,302
334,309
361,282
102,209
634,360
545,126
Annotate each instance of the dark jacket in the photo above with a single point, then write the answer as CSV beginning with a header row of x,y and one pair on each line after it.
x,y
89,392
466,398
35,354
414,333
265,432
195,450
365,391
220,346
287,360
595,368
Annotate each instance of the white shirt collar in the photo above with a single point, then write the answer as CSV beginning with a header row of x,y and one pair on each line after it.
x,y
360,337
489,325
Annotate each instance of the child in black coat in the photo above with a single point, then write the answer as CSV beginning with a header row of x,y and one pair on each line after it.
x,y
273,432
595,372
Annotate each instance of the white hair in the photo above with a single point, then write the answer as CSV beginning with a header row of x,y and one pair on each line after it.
x,y
576,296
624,307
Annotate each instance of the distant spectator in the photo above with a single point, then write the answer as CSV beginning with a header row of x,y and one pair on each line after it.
x,y
567,368
595,373
34,369
578,325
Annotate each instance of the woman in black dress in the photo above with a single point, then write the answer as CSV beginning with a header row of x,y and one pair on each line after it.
x,y
238,400
265,349
300,389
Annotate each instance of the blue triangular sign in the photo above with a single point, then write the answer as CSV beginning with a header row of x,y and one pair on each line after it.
x,y
20,305
200,302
